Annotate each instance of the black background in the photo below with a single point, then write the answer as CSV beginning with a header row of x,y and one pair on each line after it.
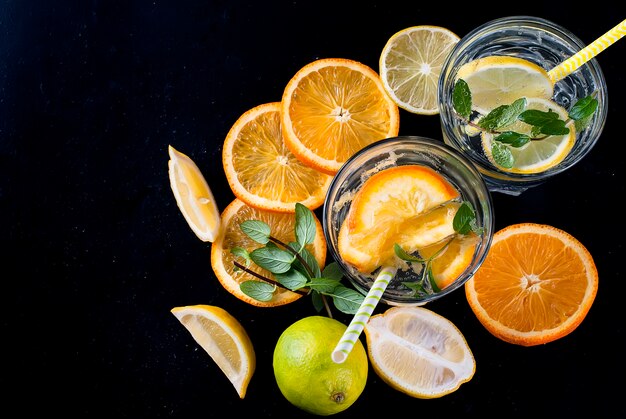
x,y
96,252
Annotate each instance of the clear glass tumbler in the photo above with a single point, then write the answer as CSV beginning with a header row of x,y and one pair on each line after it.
x,y
397,151
545,44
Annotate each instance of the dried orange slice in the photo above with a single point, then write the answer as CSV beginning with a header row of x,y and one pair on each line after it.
x,y
261,170
333,107
410,205
282,227
536,284
224,339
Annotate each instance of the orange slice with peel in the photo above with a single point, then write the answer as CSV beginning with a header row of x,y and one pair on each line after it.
x,y
262,171
453,260
536,284
281,226
333,107
410,205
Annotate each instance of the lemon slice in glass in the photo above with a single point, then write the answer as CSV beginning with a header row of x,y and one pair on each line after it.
x,y
500,80
537,155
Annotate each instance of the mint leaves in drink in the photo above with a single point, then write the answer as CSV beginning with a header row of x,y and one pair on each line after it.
x,y
292,266
542,124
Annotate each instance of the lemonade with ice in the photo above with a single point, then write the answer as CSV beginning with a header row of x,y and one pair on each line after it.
x,y
502,105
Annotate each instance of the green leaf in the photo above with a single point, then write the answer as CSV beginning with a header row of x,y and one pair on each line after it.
x,y
261,291
241,252
463,218
556,127
416,286
502,115
347,300
514,139
581,124
292,279
462,99
256,230
431,279
332,271
537,117
317,300
323,285
272,258
305,225
309,259
501,154
402,254
584,108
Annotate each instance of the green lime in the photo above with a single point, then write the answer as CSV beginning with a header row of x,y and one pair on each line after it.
x,y
305,372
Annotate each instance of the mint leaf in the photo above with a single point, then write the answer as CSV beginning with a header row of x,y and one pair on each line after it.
x,y
305,225
514,139
256,230
402,254
347,300
501,154
502,115
323,285
317,300
241,252
463,218
556,127
292,279
272,258
462,99
258,290
332,271
308,258
581,124
537,117
583,108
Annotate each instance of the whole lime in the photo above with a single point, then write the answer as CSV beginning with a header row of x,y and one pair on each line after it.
x,y
305,372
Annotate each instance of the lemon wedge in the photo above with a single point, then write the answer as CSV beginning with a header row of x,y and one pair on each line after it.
x,y
193,196
224,339
418,352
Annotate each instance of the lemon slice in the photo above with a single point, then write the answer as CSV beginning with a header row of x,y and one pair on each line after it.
x,y
500,80
535,156
224,339
418,352
193,196
410,64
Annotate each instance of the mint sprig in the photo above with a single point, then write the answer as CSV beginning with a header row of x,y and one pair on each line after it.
x,y
292,266
543,124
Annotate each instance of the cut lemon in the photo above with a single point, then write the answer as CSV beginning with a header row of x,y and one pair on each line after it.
x,y
410,64
261,170
418,352
455,258
500,80
536,284
281,226
224,339
193,196
402,204
537,155
333,107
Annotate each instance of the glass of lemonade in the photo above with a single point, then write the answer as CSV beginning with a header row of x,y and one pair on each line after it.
x,y
404,187
545,45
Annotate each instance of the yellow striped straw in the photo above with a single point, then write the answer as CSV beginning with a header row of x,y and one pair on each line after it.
x,y
570,65
362,316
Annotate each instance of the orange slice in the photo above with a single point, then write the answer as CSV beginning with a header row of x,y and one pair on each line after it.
x,y
409,205
282,227
536,284
261,170
333,107
450,264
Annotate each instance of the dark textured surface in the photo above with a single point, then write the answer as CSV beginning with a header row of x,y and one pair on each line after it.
x,y
96,252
